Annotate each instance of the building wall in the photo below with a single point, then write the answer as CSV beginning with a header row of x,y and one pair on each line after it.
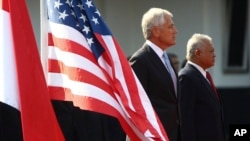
x,y
197,16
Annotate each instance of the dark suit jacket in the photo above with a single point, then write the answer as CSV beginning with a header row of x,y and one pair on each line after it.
x,y
200,110
83,125
159,87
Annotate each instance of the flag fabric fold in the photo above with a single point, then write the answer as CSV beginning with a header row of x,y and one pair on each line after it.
x,y
22,82
87,66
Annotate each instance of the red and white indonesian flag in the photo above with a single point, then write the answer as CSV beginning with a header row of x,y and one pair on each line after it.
x,y
22,82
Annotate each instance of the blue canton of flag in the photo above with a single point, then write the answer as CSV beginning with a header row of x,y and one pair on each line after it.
x,y
76,15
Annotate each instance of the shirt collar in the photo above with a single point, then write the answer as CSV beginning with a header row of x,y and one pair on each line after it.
x,y
156,49
201,70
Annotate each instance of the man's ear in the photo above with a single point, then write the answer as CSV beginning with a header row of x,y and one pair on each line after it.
x,y
155,31
197,53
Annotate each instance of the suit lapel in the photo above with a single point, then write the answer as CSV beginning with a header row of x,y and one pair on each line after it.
x,y
162,69
205,82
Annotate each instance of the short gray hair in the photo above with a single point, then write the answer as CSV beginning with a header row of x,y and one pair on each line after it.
x,y
153,17
195,42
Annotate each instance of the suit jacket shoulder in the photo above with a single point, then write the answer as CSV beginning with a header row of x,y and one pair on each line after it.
x,y
152,73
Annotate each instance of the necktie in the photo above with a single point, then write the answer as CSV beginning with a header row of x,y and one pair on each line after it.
x,y
170,70
209,77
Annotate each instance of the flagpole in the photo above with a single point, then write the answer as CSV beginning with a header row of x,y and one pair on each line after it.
x,y
43,38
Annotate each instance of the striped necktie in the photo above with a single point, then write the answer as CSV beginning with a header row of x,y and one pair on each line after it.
x,y
170,70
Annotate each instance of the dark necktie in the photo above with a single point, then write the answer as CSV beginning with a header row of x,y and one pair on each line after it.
x,y
209,77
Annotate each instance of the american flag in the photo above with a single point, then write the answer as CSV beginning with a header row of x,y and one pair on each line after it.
x,y
87,66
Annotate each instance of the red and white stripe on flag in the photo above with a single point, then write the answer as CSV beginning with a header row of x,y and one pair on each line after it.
x,y
22,82
107,85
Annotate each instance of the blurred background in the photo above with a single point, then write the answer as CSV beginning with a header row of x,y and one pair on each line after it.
x,y
226,21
